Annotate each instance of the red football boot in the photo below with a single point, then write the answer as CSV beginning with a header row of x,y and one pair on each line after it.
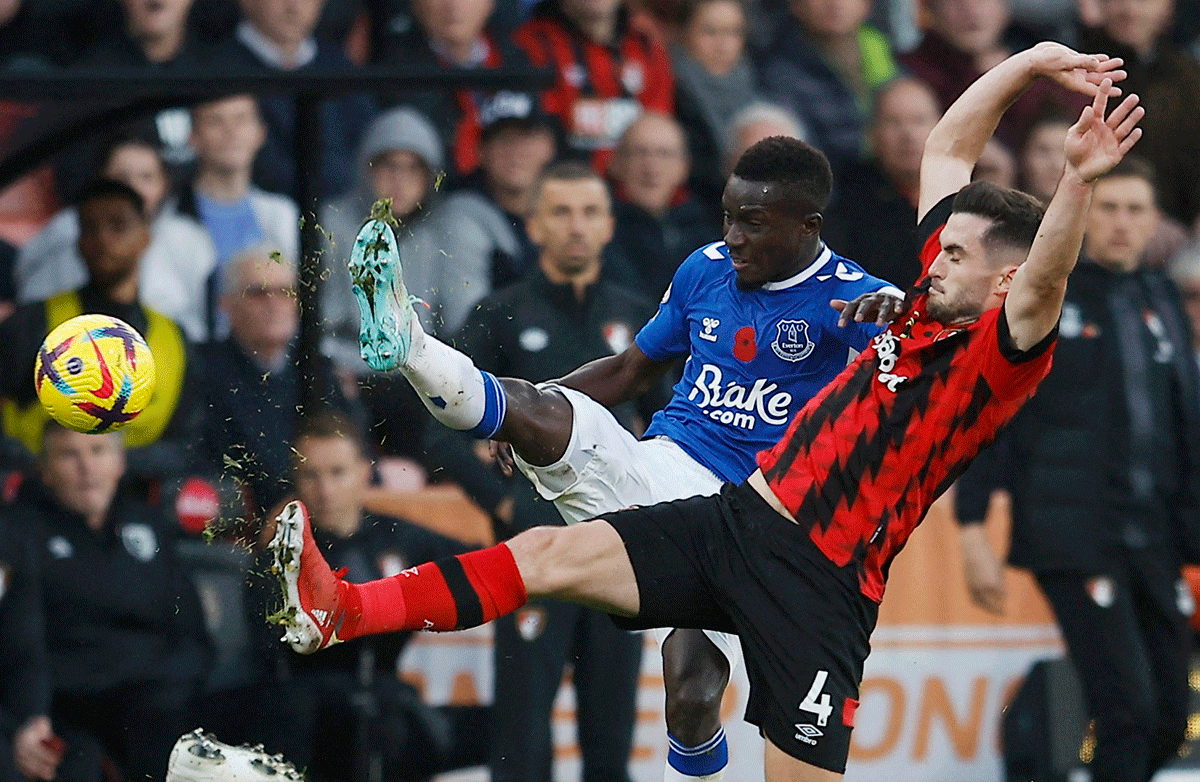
x,y
312,608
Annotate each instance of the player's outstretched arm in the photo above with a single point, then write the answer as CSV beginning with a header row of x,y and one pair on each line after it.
x,y
1093,146
615,379
956,142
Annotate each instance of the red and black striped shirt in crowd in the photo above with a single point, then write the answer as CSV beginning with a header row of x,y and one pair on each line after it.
x,y
863,461
599,89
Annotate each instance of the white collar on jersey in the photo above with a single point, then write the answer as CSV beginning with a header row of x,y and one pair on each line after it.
x,y
802,275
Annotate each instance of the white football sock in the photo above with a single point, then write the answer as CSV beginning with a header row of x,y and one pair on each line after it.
x,y
451,387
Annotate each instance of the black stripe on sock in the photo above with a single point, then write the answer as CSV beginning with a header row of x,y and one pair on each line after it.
x,y
466,600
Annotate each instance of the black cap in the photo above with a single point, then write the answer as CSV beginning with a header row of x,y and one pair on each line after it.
x,y
505,109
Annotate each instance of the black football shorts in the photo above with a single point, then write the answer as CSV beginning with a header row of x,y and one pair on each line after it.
x,y
732,563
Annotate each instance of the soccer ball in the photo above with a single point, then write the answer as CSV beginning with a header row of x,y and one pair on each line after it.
x,y
94,374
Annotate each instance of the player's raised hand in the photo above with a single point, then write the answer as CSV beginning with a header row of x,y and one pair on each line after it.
x,y
1075,71
878,306
1095,144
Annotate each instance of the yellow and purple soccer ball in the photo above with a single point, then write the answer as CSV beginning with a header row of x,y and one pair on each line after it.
x,y
94,374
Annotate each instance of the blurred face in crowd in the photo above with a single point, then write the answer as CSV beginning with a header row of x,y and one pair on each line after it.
x,y
571,223
904,116
113,236
228,133
651,162
401,176
1043,160
331,479
831,18
141,168
1136,23
1121,222
716,35
82,470
8,9
456,23
286,23
514,156
751,133
971,26
155,19
996,165
260,297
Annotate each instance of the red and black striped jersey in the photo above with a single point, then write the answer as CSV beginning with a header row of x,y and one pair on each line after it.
x,y
599,89
863,461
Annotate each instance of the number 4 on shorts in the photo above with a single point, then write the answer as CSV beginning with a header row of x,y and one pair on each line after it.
x,y
817,702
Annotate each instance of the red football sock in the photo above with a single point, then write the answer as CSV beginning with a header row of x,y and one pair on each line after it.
x,y
453,594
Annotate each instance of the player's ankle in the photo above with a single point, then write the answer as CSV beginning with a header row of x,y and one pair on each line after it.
x,y
706,761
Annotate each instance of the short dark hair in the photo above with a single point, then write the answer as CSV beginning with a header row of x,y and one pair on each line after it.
x,y
102,188
1015,216
567,171
1133,167
689,8
797,166
329,425
129,138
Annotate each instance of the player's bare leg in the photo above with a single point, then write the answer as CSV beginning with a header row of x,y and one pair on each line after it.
x,y
585,563
537,422
695,674
782,767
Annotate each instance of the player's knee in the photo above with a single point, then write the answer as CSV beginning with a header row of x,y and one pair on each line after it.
x,y
693,709
547,560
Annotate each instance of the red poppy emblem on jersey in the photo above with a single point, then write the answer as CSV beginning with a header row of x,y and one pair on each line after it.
x,y
744,347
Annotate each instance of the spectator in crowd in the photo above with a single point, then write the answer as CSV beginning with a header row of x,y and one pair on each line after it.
x,y
340,709
490,209
279,37
252,410
1168,82
25,685
563,313
1102,467
714,80
227,135
755,123
658,222
875,201
1040,167
156,36
823,64
1041,162
177,262
610,65
453,34
114,232
127,649
1184,271
401,158
996,164
966,38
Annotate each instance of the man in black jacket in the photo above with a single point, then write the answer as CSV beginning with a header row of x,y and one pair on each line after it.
x,y
127,648
562,313
338,711
1104,469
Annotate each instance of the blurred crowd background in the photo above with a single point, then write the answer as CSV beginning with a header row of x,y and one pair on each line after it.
x,y
131,597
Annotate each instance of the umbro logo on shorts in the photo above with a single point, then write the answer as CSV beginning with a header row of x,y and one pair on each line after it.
x,y
808,733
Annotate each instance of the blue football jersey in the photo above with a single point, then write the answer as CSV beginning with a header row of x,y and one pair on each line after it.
x,y
754,357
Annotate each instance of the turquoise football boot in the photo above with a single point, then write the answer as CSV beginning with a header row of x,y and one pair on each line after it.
x,y
385,310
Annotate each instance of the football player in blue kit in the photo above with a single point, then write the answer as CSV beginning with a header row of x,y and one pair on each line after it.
x,y
753,315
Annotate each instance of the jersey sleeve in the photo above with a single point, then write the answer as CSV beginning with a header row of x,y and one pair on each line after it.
x,y
1013,373
666,335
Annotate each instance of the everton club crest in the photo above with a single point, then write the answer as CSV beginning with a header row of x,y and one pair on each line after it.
x,y
792,343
